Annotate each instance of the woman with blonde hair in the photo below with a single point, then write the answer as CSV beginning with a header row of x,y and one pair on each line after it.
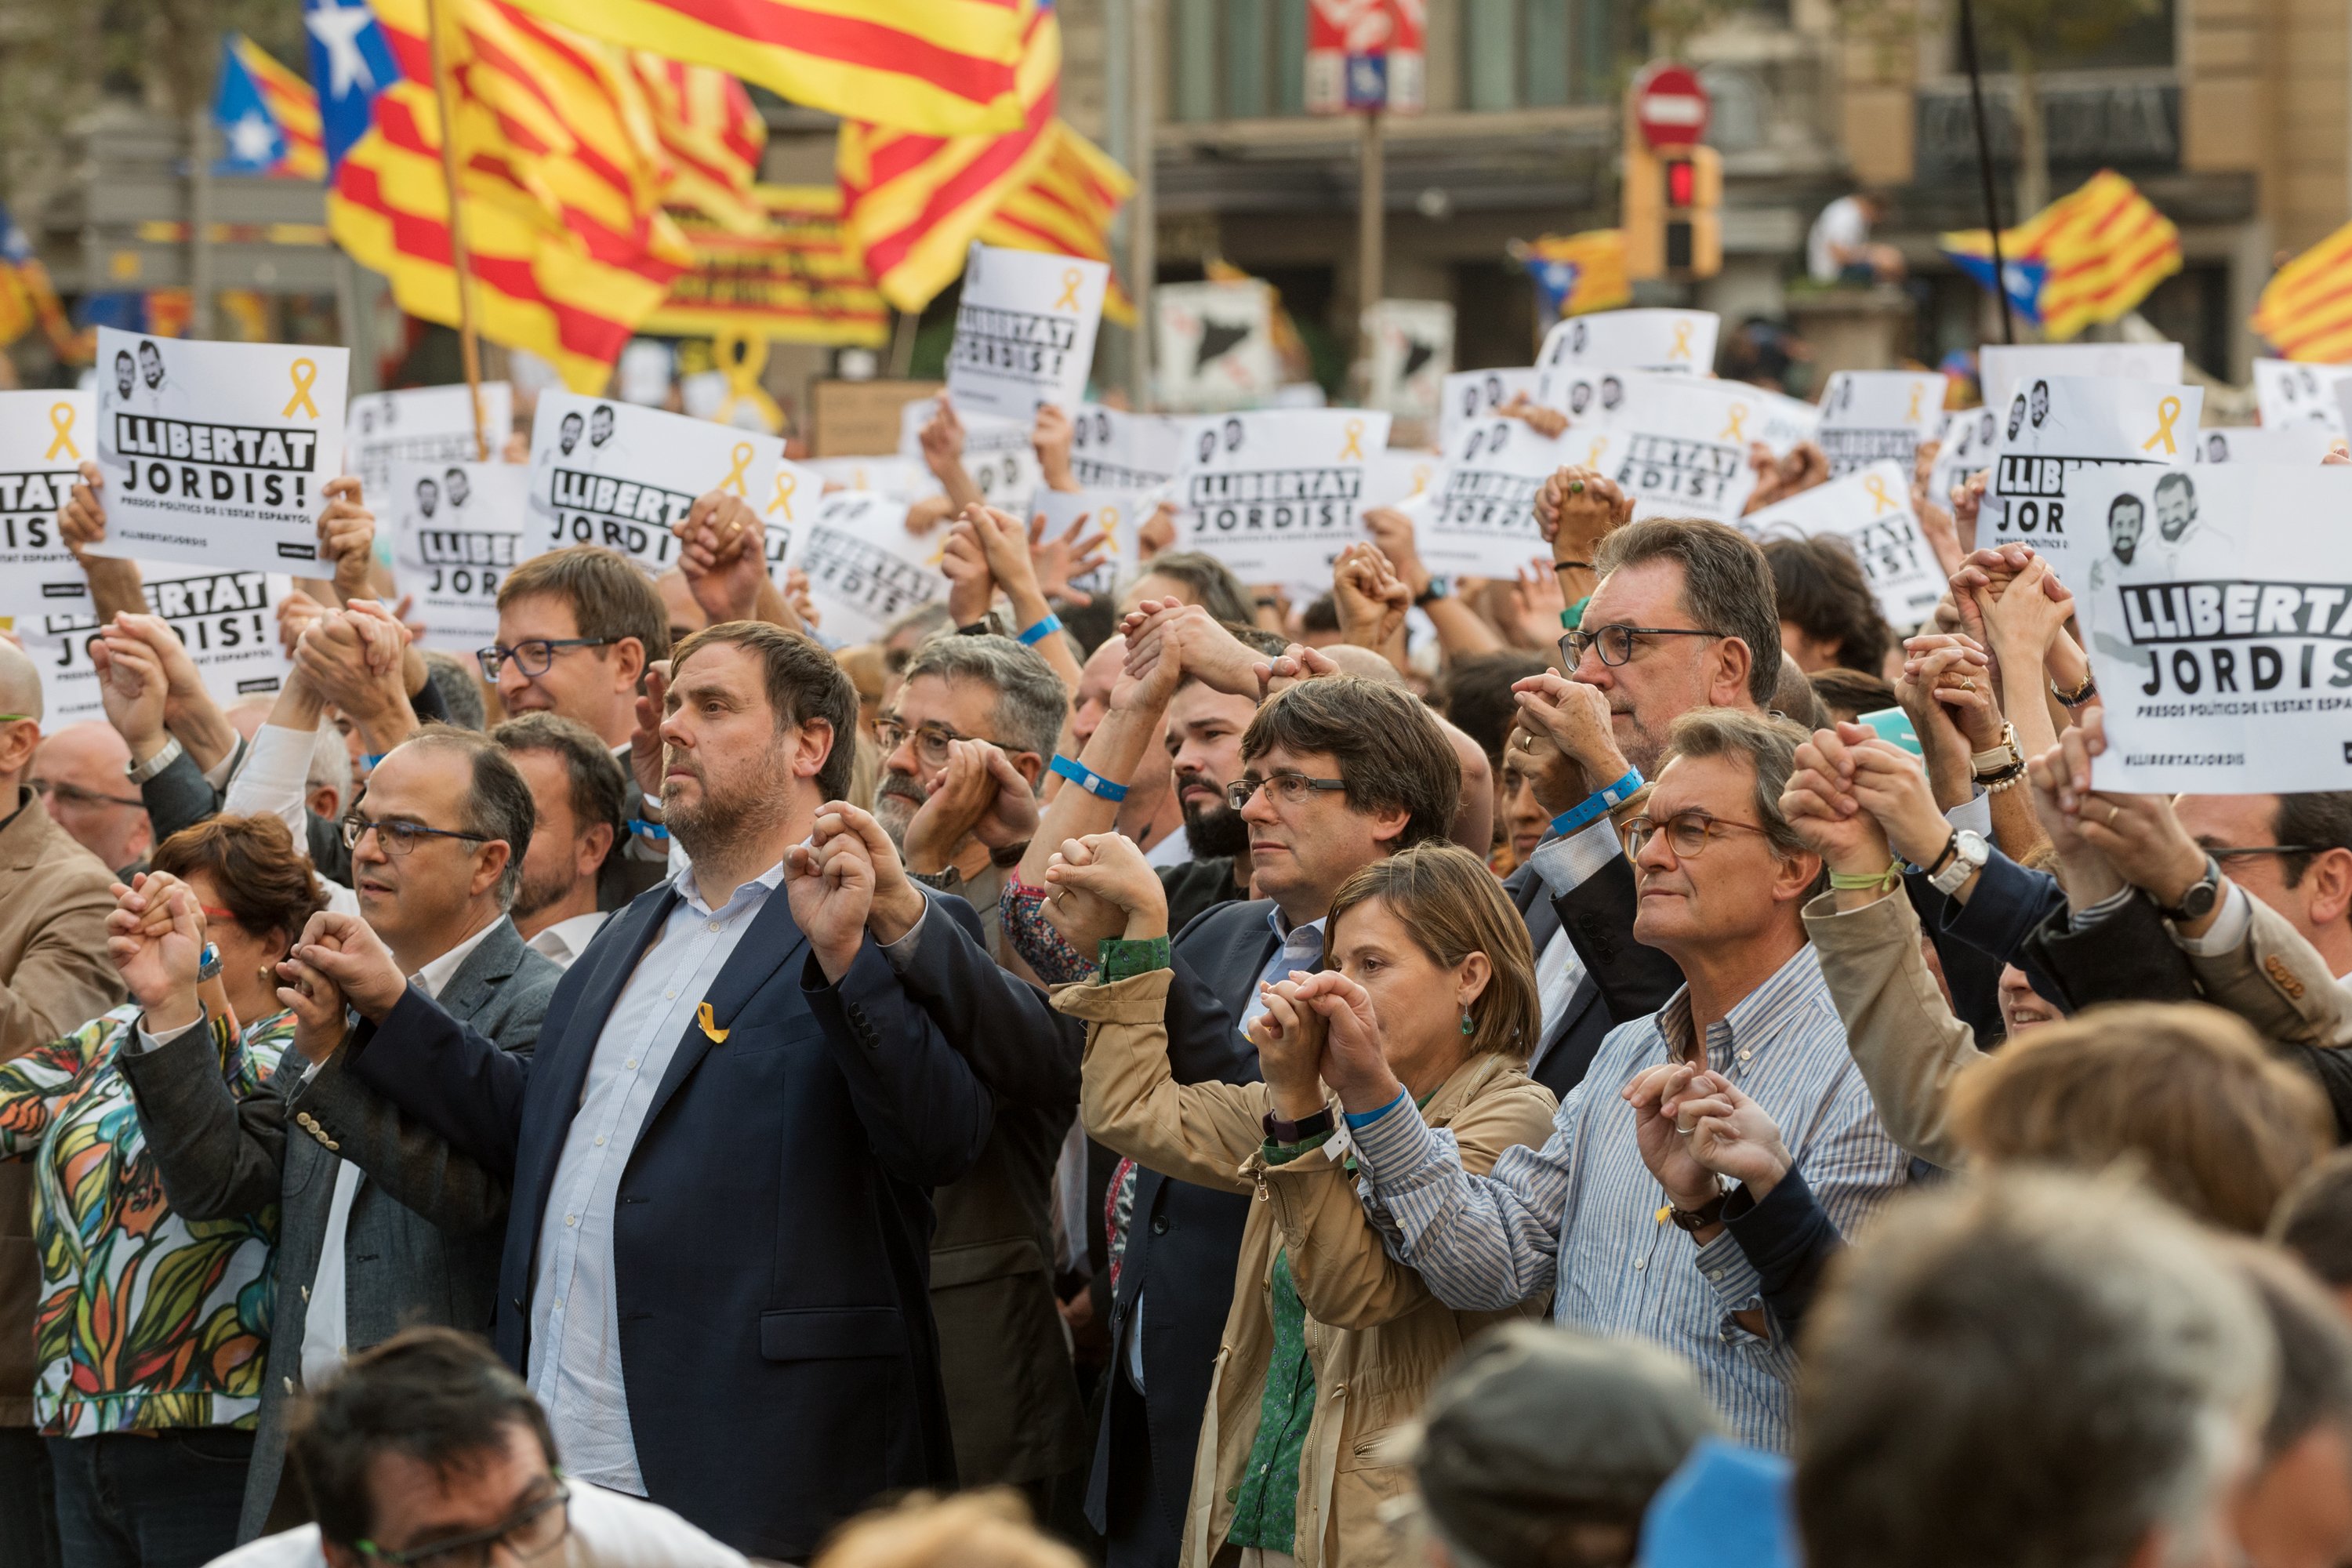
x,y
1331,1345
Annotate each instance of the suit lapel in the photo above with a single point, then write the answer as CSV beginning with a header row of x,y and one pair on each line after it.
x,y
491,963
774,941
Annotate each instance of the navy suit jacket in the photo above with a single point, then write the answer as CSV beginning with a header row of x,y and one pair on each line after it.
x,y
1623,979
770,1249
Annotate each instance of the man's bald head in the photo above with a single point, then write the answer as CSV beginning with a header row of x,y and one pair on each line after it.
x,y
1363,663
20,694
80,768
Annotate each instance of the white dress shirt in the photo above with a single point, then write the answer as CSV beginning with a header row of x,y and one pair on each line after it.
x,y
567,939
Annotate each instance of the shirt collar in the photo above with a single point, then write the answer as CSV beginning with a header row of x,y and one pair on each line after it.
x,y
1756,1018
434,978
759,886
1295,936
568,939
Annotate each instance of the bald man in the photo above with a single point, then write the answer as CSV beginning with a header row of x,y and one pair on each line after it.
x,y
82,773
54,978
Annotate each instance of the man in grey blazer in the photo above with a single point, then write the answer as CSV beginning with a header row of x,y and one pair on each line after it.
x,y
435,859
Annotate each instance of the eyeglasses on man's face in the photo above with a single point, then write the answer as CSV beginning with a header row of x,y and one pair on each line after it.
x,y
534,1531
1688,833
400,838
1284,789
532,656
930,738
1615,644
66,794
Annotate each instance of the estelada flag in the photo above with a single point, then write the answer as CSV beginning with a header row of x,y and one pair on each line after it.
x,y
268,117
2090,255
1579,272
2305,310
793,279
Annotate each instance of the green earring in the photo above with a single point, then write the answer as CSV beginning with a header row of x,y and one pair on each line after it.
x,y
1467,1027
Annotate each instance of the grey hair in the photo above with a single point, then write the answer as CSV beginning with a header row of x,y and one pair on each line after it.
x,y
1727,584
1767,740
1031,701
2027,1370
330,765
461,695
498,802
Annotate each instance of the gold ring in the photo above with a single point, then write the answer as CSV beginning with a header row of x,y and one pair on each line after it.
x,y
2113,811
1526,741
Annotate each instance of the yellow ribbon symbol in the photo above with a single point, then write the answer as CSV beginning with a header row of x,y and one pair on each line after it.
x,y
741,357
1110,530
2165,413
1734,423
304,373
702,1016
1420,479
1875,486
1355,447
61,420
1592,458
782,500
734,479
1069,300
1913,412
1682,349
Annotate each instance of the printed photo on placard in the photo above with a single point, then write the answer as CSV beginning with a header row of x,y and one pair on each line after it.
x,y
1111,449
999,454
226,619
2057,424
1472,394
1869,415
1870,509
44,435
1274,494
1024,331
1663,341
2002,369
215,454
1970,437
864,570
420,424
2288,392
1483,524
1681,447
1118,515
612,473
458,530
2303,441
2218,625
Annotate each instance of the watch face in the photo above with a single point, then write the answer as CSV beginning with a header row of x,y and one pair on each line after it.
x,y
2198,901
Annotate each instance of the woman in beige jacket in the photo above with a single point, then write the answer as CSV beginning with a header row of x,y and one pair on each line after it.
x,y
1331,1345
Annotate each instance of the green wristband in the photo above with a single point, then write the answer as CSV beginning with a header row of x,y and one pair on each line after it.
x,y
1884,882
1120,959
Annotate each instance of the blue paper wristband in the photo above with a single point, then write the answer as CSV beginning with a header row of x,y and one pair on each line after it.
x,y
1032,636
1598,803
650,829
1087,779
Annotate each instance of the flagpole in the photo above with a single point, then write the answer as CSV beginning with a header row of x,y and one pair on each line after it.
x,y
1984,167
470,345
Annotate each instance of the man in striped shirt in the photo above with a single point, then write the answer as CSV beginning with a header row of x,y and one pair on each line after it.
x,y
1611,1216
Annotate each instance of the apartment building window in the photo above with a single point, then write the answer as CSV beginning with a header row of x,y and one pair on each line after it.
x,y
1238,59
1539,54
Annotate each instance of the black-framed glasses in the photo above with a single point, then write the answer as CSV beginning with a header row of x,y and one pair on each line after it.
x,y
399,838
74,794
538,1528
2225,854
532,656
1283,789
1688,833
930,738
1615,644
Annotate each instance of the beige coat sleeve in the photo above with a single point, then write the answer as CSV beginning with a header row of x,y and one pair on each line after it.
x,y
1901,1031
62,979
1197,1132
2278,982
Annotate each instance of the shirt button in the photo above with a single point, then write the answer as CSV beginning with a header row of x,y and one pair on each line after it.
x,y
670,995
1745,1054
714,925
556,1305
1641,1263
631,1063
600,1140
571,1220
1715,1273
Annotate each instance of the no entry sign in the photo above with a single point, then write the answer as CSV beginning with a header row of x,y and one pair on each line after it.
x,y
1669,105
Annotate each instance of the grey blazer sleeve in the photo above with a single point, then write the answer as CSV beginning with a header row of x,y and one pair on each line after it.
x,y
220,1156
179,797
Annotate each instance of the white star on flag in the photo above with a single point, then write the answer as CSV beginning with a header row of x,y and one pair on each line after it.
x,y
251,141
338,29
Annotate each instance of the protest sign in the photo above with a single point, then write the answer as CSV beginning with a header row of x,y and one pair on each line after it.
x,y
458,530
1396,475
1114,450
611,473
2057,424
1215,344
1024,331
1870,509
2288,393
421,424
215,453
1412,349
1472,394
1118,515
997,453
903,478
2301,441
44,435
863,568
1274,494
226,619
1782,421
1867,415
2002,368
796,493
1680,446
1483,524
1970,438
2219,616
1668,341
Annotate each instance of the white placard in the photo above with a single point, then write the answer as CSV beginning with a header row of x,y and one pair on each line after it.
x,y
1118,515
2289,393
1394,477
1024,331
1412,349
997,453
1114,450
1483,522
1784,421
1678,447
227,619
902,479
2304,441
2057,424
642,377
1215,344
795,493
1870,509
1274,494
458,530
44,435
215,454
1472,394
2001,368
2219,623
611,473
1869,415
864,570
420,424
1970,436
1667,341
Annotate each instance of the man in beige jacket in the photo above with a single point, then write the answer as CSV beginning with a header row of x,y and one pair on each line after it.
x,y
54,978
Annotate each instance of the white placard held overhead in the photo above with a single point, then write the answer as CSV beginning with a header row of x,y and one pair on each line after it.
x,y
1394,477
2057,424
458,530
2002,368
1783,422
1114,450
864,570
1215,344
1025,332
1678,447
1483,522
1273,495
421,424
1870,509
2290,393
997,453
2303,442
1472,394
1869,415
1118,515
902,479
1665,341
1970,437
1412,349
226,619
216,453
611,473
2219,625
44,436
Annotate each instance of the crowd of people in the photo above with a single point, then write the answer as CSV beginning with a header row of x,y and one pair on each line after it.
x,y
1519,1074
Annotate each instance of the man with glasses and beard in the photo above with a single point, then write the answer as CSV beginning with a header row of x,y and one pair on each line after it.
x,y
1204,754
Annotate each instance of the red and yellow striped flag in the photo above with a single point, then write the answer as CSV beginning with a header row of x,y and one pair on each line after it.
x,y
2305,310
946,66
793,280
2094,253
291,104
713,135
1067,208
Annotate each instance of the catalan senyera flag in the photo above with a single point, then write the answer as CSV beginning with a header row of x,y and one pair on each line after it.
x,y
2090,255
1065,207
1575,273
268,117
794,280
2305,310
713,135
944,67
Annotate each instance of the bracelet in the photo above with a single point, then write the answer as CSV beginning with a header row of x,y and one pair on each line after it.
x,y
1999,760
1951,847
650,829
1598,803
1123,958
2009,779
1571,566
2080,695
140,773
1031,636
1881,881
1087,779
1278,1130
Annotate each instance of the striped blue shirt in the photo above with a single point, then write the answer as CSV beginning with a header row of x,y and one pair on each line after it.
x,y
1580,1217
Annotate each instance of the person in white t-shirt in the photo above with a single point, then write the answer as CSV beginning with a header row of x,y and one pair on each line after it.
x,y
429,1451
1839,248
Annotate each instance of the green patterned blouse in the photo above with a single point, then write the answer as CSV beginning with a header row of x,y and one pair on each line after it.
x,y
1265,1513
146,1320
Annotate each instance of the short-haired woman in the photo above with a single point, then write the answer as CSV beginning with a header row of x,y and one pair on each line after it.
x,y
1331,1345
151,1330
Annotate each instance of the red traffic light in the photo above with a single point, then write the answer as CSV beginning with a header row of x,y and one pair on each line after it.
x,y
1682,182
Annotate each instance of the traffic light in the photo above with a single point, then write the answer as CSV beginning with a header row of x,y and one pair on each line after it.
x,y
1672,219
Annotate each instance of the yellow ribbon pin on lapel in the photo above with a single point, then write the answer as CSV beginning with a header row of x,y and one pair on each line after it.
x,y
717,1035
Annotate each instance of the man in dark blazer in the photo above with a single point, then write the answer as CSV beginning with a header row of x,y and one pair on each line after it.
x,y
714,1273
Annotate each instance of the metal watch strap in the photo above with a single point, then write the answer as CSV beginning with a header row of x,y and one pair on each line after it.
x,y
140,773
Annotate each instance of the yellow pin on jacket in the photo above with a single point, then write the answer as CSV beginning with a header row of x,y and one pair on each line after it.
x,y
717,1035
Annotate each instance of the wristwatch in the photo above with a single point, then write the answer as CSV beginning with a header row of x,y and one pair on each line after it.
x,y
1278,1130
1706,1214
2198,901
1966,854
208,966
140,773
1438,588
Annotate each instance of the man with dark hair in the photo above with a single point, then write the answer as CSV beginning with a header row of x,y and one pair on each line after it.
x,y
2297,1509
1829,615
713,1273
2314,1223
2293,852
576,629
426,1449
580,798
2126,517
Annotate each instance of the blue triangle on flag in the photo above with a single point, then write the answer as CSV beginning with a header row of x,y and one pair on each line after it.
x,y
350,64
2024,279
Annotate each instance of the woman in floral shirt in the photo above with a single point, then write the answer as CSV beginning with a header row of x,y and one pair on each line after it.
x,y
151,1330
